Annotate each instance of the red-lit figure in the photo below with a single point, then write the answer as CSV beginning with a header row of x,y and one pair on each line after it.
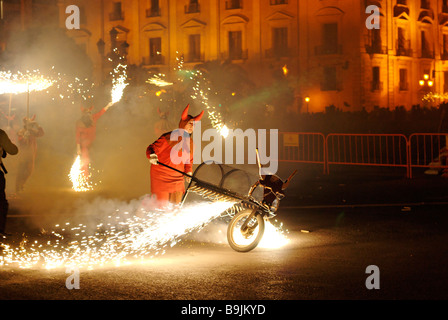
x,y
162,126
86,134
168,185
27,140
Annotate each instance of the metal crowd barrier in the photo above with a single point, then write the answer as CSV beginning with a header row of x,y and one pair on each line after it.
x,y
302,147
387,150
428,150
420,150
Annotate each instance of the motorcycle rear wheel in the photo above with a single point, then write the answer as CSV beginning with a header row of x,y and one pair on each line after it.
x,y
245,241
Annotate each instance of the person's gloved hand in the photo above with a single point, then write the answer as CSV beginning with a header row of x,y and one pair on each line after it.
x,y
153,159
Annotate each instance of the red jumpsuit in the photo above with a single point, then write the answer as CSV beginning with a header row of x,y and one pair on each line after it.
x,y
85,136
27,158
167,184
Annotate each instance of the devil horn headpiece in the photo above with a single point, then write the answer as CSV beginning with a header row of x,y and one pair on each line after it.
x,y
185,114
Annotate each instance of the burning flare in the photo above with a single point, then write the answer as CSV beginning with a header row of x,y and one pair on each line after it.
x,y
79,178
118,82
20,82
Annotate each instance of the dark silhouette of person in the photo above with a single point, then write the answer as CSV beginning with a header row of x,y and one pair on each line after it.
x,y
6,147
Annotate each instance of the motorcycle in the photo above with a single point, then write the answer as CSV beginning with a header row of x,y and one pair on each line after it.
x,y
246,228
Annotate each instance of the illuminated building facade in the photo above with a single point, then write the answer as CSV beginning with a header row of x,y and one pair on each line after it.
x,y
330,54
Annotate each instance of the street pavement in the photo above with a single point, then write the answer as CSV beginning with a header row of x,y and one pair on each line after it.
x,y
338,225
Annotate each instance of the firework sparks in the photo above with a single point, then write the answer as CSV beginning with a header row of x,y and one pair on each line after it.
x,y
158,81
433,96
200,93
118,82
273,237
79,178
23,82
117,241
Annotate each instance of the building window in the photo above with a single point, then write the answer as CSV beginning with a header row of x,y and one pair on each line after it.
x,y
426,50
280,41
117,13
403,47
445,6
235,45
376,83
424,4
330,43
83,15
403,80
154,11
234,4
445,81
276,2
375,45
193,7
329,82
155,51
194,53
445,47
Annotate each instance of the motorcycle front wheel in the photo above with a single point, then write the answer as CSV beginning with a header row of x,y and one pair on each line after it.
x,y
248,239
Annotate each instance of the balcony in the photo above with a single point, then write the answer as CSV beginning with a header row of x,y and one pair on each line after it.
x,y
154,60
404,48
192,8
376,49
232,4
235,55
376,86
115,16
427,54
153,12
192,58
277,2
328,49
404,86
331,86
277,52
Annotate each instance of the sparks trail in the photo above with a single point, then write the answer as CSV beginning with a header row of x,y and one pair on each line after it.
x,y
19,82
80,182
118,240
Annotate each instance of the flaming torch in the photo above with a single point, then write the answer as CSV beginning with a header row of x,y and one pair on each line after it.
x,y
78,177
118,82
21,83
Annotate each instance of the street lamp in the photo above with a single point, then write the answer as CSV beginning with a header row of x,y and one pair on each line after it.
x,y
426,84
426,81
307,100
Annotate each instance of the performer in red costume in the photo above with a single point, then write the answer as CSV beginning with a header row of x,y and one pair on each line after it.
x,y
168,185
86,134
27,138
